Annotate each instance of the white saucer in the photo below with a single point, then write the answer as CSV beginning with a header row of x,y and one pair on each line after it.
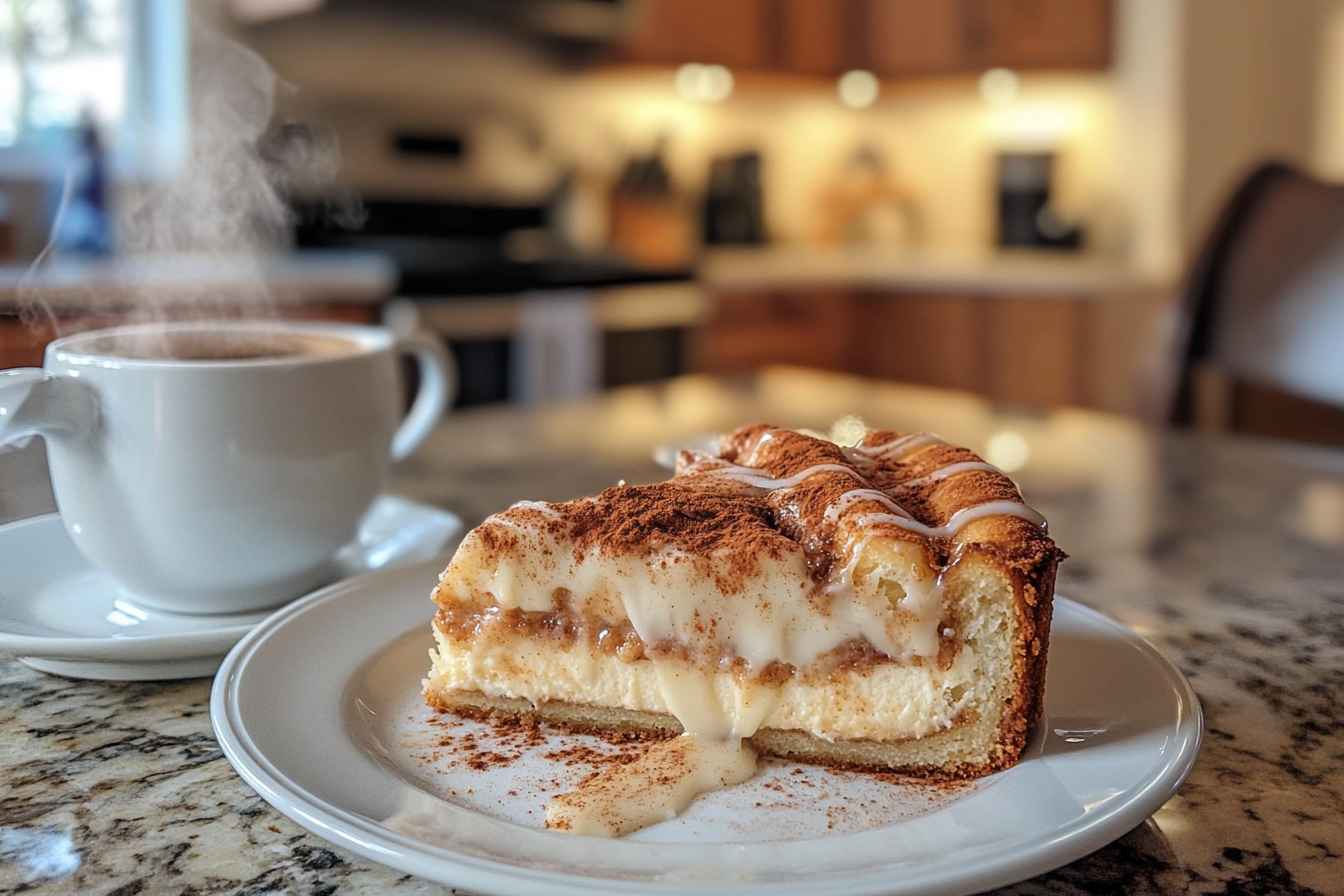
x,y
61,615
337,675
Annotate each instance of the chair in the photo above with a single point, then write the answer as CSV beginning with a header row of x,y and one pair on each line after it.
x,y
1262,330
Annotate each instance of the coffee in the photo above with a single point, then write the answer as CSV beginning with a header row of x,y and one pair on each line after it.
x,y
227,346
228,471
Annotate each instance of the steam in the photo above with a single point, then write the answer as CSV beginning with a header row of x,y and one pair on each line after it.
x,y
198,239
226,199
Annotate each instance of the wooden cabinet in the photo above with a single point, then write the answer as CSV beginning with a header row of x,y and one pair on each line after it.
x,y
1032,350
818,37
909,37
753,329
1039,34
735,33
1020,350
932,340
895,38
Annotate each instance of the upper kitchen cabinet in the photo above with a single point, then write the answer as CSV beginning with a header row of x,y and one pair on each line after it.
x,y
1039,34
909,37
734,33
817,37
914,37
895,38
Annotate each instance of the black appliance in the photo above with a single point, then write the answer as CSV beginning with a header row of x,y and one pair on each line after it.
x,y
734,210
1026,216
464,250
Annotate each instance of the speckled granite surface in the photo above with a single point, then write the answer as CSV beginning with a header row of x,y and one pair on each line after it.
x,y
1226,554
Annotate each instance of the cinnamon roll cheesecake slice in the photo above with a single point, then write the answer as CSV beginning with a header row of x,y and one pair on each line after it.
x,y
882,605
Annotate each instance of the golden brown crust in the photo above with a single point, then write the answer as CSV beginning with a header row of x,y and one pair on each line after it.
x,y
1033,595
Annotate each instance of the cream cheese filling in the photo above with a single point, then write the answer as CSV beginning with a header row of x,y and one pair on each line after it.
x,y
881,702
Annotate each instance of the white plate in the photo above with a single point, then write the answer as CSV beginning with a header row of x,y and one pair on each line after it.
x,y
318,710
60,614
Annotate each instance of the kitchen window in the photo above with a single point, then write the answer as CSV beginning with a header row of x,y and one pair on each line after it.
x,y
123,62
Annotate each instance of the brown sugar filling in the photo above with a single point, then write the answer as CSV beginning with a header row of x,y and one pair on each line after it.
x,y
464,623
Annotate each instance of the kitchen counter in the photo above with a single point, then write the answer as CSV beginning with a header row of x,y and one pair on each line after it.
x,y
1008,273
1225,553
289,278
641,306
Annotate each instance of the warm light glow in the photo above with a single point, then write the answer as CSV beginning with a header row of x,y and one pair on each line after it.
x,y
704,83
1008,451
720,83
1041,123
999,86
688,80
858,89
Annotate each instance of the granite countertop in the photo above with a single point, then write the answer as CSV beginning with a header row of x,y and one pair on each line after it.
x,y
1011,273
1225,553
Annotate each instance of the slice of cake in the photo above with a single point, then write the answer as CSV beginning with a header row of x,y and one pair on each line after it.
x,y
883,605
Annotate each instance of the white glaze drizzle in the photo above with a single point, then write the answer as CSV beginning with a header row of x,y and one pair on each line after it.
x,y
751,456
758,478
897,448
951,470
957,520
923,600
893,450
842,503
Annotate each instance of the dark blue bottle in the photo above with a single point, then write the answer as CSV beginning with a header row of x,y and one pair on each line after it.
x,y
84,224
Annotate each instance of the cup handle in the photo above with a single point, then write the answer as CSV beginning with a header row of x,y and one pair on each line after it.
x,y
34,402
438,388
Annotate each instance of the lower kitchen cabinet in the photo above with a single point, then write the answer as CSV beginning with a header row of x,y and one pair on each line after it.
x,y
1040,351
1035,351
747,330
932,340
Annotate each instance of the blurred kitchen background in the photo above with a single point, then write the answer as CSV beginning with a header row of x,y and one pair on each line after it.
x,y
1014,198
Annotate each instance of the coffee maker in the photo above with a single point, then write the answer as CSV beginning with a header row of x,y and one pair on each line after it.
x,y
1027,218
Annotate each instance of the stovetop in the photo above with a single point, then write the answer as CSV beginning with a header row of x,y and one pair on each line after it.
x,y
443,250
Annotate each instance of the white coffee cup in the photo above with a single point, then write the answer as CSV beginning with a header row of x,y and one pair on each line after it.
x,y
221,483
